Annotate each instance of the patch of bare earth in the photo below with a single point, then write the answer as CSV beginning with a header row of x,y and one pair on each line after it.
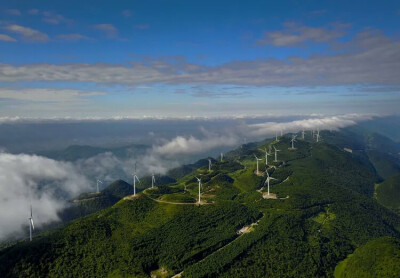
x,y
131,197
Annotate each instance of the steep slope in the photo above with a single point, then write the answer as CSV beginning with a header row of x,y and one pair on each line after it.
x,y
131,239
388,193
92,202
377,258
319,211
386,165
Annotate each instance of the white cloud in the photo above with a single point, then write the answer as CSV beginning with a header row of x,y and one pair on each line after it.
x,y
108,29
46,95
27,33
317,122
54,18
191,145
295,34
371,61
28,178
7,38
72,37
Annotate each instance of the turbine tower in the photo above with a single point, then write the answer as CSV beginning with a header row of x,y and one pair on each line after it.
x,y
268,179
317,135
266,156
276,154
302,134
153,180
199,180
257,159
97,185
135,177
293,140
222,156
31,226
209,165
276,136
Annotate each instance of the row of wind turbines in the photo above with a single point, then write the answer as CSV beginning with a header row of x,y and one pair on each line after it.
x,y
269,153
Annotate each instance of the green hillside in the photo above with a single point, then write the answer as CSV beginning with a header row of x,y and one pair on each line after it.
x,y
320,209
388,193
386,165
372,149
88,203
377,258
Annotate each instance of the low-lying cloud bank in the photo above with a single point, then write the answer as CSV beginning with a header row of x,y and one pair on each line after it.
x,y
47,183
332,123
29,179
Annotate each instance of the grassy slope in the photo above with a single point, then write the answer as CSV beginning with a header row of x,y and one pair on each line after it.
x,y
385,164
388,193
377,258
328,214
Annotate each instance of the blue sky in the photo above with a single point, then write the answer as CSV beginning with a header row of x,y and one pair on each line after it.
x,y
198,58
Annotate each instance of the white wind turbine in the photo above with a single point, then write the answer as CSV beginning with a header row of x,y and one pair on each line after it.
x,y
31,226
302,134
97,185
318,136
276,136
276,154
257,159
293,140
268,179
266,156
222,156
153,180
209,165
199,180
135,177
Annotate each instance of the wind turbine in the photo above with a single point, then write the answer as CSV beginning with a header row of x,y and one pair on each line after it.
x,y
97,185
135,177
222,156
266,156
293,140
276,154
268,179
209,165
276,136
199,180
302,134
31,226
153,180
257,159
318,136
